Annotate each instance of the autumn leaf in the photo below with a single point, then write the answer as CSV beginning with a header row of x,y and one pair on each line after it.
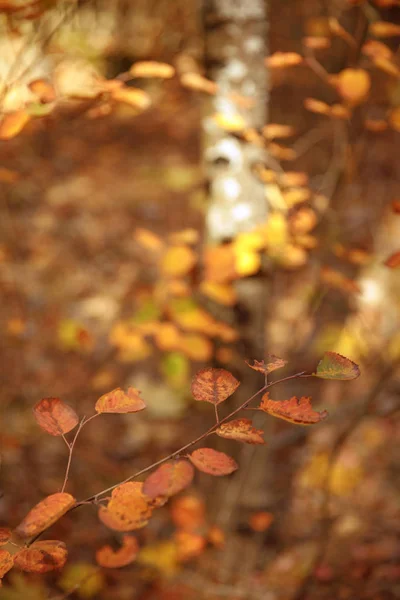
x,y
393,262
196,347
120,402
128,508
271,363
43,90
169,479
197,82
133,96
336,366
151,68
13,123
353,85
261,521
189,545
5,534
54,416
213,385
213,462
222,293
279,60
338,281
241,430
107,557
148,240
188,513
178,261
6,562
42,557
295,410
45,513
384,29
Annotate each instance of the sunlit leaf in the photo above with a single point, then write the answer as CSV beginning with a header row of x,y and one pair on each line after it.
x,y
45,513
169,479
84,579
128,508
5,534
393,262
233,123
353,85
261,521
6,562
162,556
241,430
54,416
212,462
247,262
151,68
13,123
336,366
42,557
213,385
132,96
178,261
271,363
43,89
119,401
125,555
384,29
279,60
188,513
295,410
195,81
189,545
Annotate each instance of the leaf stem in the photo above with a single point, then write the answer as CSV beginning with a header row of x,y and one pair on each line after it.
x,y
71,446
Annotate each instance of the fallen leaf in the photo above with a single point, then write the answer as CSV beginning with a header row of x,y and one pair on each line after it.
x,y
169,479
54,416
241,430
45,513
213,462
120,402
336,366
42,557
125,555
295,410
213,385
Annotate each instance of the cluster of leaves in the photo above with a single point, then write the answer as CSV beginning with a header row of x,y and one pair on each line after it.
x,y
132,503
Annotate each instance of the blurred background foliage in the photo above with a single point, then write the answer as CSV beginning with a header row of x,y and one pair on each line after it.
x,y
106,280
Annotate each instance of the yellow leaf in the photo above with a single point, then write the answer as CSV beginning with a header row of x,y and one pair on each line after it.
x,y
223,293
353,85
178,261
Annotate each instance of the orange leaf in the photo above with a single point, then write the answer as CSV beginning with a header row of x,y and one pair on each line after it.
x,y
213,385
120,402
169,479
216,536
128,508
353,85
222,293
293,410
241,430
151,68
396,206
302,221
42,557
196,347
197,82
189,545
260,521
45,513
54,416
188,513
375,49
384,29
393,262
335,366
317,106
132,96
280,60
178,261
213,462
148,240
6,562
316,43
107,557
12,123
5,534
43,90
271,363
274,130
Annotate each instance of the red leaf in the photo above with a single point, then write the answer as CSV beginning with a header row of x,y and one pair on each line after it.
x,y
213,385
119,401
212,462
54,416
107,557
293,410
169,479
45,513
6,562
241,430
42,557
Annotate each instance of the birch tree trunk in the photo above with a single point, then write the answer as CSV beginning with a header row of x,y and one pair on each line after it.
x,y
235,48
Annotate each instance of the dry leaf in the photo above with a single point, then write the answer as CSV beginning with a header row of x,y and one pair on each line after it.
x,y
5,534
189,545
128,508
169,479
212,462
120,402
336,366
261,521
45,513
42,557
111,559
6,562
241,430
295,410
213,385
54,416
353,85
271,363
151,68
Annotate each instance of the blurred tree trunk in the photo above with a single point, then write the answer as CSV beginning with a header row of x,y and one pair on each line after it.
x,y
235,48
